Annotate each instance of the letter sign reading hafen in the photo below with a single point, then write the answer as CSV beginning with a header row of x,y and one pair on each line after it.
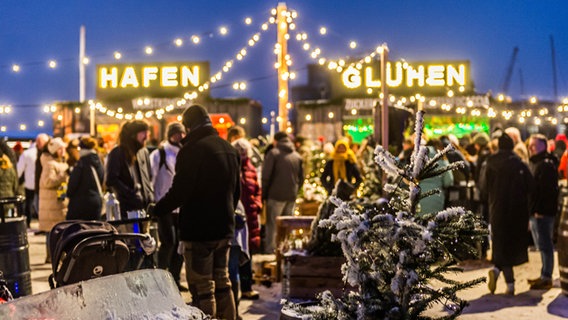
x,y
407,78
118,82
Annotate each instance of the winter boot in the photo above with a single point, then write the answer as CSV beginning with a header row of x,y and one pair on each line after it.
x,y
492,276
510,289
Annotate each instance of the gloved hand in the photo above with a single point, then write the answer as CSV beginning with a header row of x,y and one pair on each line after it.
x,y
148,245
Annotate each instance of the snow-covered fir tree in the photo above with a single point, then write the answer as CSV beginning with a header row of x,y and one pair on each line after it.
x,y
393,254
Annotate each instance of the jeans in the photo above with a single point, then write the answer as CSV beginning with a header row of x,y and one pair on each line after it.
x,y
234,259
274,209
207,271
541,229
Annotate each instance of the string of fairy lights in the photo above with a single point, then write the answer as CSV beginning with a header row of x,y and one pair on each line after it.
x,y
538,115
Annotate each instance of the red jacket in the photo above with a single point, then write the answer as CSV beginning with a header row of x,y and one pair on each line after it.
x,y
252,201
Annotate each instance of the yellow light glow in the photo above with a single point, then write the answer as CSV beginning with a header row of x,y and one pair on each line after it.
x,y
178,42
40,123
223,30
77,110
450,93
323,30
308,117
292,75
148,50
369,91
352,44
321,61
264,27
15,68
521,120
330,115
221,120
86,60
461,89
292,26
46,109
306,46
195,39
3,128
243,121
248,20
533,100
117,55
354,111
52,64
242,86
273,11
501,97
264,120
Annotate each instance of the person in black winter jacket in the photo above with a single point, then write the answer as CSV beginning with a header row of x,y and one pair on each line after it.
x,y
543,206
206,188
508,183
84,187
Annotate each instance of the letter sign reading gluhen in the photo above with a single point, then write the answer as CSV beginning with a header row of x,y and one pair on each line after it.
x,y
407,75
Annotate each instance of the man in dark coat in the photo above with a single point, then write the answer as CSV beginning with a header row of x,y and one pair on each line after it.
x,y
206,188
543,206
508,183
282,176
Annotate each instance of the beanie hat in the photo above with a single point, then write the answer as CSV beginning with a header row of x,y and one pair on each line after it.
x,y
506,142
55,144
481,139
173,128
195,117
280,135
87,143
243,147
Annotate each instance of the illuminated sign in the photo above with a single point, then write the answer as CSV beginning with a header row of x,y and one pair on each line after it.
x,y
154,80
406,78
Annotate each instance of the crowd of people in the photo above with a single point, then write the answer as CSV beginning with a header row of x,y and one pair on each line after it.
x,y
216,200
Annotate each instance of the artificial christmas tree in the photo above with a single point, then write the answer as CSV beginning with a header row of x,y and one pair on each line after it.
x,y
393,254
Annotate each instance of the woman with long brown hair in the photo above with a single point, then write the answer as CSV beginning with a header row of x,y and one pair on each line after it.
x,y
128,168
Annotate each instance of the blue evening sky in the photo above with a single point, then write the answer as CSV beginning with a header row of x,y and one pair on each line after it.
x,y
483,32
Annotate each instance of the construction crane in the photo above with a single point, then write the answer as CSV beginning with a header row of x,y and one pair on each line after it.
x,y
509,73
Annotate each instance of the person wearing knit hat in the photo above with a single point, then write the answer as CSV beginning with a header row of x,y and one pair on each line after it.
x,y
282,176
55,145
195,117
163,164
507,182
481,139
52,207
206,189
174,128
85,183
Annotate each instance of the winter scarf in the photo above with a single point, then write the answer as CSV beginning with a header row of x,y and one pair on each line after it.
x,y
339,169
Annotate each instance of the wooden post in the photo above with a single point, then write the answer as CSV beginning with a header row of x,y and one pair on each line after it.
x,y
282,42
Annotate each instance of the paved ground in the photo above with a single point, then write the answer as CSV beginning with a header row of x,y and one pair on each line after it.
x,y
526,304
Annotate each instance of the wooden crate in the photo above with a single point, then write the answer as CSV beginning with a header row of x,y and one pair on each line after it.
x,y
309,208
306,276
285,225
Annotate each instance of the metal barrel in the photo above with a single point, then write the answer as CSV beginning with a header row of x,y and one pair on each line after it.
x,y
14,247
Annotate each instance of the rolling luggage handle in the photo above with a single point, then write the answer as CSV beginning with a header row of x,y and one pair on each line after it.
x,y
18,200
